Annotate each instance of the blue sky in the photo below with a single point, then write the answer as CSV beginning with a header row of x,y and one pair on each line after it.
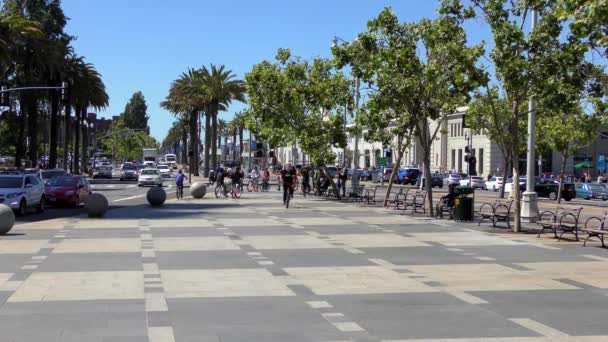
x,y
145,45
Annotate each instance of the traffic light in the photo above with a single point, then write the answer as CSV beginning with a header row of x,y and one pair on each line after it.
x,y
466,158
467,149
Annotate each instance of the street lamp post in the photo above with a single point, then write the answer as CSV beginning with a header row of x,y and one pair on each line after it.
x,y
469,138
529,209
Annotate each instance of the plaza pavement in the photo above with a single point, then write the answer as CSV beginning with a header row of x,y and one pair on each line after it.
x,y
250,270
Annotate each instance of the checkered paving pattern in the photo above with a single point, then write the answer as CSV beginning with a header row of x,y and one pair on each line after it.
x,y
251,270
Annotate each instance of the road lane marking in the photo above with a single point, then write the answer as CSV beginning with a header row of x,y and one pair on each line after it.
x,y
129,198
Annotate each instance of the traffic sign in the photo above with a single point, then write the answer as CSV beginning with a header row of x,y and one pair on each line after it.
x,y
382,161
601,163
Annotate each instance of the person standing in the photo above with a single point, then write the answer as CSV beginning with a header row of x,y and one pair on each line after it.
x,y
342,177
287,178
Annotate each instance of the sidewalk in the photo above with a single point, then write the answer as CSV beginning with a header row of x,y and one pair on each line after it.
x,y
251,270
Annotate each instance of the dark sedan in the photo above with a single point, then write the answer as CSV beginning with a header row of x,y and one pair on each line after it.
x,y
549,188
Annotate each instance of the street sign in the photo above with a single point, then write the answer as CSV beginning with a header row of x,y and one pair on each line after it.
x,y
383,161
601,163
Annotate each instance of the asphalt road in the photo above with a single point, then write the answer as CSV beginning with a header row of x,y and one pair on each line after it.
x,y
119,193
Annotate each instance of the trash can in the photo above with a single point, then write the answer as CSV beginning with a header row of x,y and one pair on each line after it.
x,y
374,177
464,204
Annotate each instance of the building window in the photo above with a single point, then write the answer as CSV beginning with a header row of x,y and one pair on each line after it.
x,y
459,160
451,130
453,162
480,161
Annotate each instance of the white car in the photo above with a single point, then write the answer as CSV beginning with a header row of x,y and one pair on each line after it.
x,y
165,171
509,184
150,176
20,192
452,179
493,183
476,182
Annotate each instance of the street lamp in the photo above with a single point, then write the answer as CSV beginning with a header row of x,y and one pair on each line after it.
x,y
355,177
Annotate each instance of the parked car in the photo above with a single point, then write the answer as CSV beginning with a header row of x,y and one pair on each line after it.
x,y
47,174
409,176
22,191
129,171
591,191
475,181
452,179
436,180
550,188
365,175
493,183
150,176
165,171
384,174
102,172
149,164
70,190
522,184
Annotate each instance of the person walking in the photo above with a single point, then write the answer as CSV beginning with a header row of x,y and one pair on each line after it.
x,y
342,177
179,183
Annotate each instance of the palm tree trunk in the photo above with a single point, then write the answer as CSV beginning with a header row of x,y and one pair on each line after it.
x,y
207,142
184,147
54,127
193,131
214,160
66,136
83,130
76,147
197,144
19,149
240,142
32,129
234,134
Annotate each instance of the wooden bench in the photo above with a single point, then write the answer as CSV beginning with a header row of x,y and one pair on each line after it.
x,y
563,219
396,198
416,201
370,195
499,211
596,227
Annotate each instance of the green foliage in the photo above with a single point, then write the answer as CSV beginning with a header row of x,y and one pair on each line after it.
x,y
127,144
293,100
588,19
135,114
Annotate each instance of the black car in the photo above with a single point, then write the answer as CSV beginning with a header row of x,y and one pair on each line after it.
x,y
549,188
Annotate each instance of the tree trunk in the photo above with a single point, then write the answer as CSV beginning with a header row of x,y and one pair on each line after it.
x,y
66,136
240,143
192,150
32,128
76,147
19,148
85,143
184,147
515,187
427,175
214,160
234,134
207,143
54,128
400,150
197,142
561,177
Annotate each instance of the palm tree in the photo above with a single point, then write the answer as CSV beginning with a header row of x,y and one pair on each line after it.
x,y
221,132
88,90
239,123
221,89
187,97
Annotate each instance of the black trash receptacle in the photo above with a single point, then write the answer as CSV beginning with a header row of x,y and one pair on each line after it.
x,y
463,209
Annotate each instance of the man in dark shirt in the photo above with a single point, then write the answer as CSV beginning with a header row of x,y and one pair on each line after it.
x,y
305,180
288,176
446,201
342,177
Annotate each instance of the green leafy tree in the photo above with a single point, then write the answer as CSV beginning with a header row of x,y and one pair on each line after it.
x,y
135,115
588,20
418,74
296,100
527,63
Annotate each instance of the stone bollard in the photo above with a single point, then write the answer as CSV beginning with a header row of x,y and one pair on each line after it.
x,y
198,190
7,219
156,196
96,205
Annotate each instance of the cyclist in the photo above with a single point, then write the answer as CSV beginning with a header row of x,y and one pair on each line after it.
x,y
288,176
220,180
255,175
237,176
179,183
305,180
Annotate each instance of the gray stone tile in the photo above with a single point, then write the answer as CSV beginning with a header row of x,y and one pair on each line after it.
x,y
421,228
204,260
523,253
90,262
249,319
272,230
418,255
346,229
423,316
10,263
28,234
316,258
185,231
104,233
575,312
159,319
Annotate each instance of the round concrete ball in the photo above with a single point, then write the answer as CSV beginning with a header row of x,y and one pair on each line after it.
x,y
156,196
96,205
198,189
7,219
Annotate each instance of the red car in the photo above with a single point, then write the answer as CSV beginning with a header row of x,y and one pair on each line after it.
x,y
71,190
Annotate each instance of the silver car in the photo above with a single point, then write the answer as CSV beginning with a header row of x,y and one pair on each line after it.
x,y
150,176
102,172
165,171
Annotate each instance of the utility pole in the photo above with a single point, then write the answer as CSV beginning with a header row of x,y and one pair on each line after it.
x,y
355,177
529,209
250,139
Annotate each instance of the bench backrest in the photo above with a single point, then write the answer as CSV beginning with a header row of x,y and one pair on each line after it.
x,y
575,211
504,202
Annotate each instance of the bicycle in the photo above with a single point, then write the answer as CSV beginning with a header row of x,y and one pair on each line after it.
x,y
265,186
220,190
252,185
235,191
